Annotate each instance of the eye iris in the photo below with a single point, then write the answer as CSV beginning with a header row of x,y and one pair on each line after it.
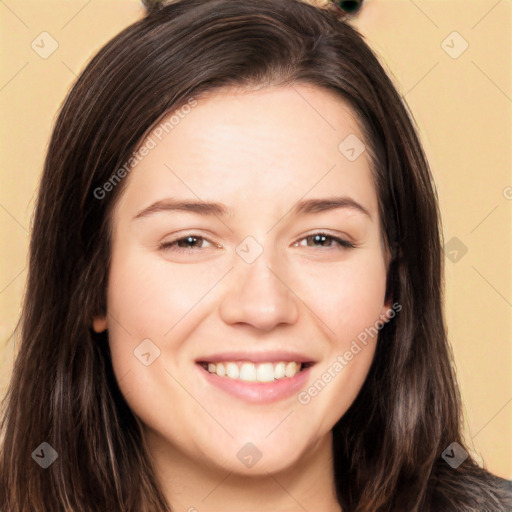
x,y
317,239
188,240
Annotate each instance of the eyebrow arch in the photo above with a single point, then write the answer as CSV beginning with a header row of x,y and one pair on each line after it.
x,y
304,207
199,207
308,206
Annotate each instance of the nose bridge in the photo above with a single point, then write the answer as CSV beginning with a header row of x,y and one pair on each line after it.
x,y
258,293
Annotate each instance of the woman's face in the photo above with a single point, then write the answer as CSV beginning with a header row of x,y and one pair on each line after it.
x,y
254,285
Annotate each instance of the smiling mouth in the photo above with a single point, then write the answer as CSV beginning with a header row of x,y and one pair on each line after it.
x,y
255,372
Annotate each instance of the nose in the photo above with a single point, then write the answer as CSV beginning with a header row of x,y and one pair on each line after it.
x,y
258,294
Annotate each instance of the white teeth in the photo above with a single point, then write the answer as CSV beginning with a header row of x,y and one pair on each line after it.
x,y
232,370
250,372
279,370
221,371
265,372
291,369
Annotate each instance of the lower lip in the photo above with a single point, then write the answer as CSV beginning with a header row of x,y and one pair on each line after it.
x,y
258,392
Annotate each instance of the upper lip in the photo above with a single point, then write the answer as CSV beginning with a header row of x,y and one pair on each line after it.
x,y
273,356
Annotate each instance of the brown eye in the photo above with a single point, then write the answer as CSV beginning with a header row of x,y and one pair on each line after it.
x,y
322,238
185,244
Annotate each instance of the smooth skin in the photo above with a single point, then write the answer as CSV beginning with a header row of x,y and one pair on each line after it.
x,y
258,153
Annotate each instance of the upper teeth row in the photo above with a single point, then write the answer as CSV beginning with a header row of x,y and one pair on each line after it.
x,y
263,372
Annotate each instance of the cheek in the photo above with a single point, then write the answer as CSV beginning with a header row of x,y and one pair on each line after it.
x,y
346,297
152,299
145,301
348,301
149,296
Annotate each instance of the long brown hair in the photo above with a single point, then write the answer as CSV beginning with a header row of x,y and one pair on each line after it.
x,y
387,447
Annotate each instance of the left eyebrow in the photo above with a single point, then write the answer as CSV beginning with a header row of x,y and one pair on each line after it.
x,y
307,206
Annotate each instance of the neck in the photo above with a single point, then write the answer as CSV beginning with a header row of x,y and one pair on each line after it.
x,y
194,485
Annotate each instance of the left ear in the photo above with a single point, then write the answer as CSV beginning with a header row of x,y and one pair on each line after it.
x,y
99,323
387,312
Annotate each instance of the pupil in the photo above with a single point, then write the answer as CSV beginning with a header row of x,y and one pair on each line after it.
x,y
317,239
189,240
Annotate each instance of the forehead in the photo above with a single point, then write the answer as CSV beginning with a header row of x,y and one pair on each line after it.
x,y
270,145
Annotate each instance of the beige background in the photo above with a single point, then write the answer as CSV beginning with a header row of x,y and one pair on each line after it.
x,y
461,100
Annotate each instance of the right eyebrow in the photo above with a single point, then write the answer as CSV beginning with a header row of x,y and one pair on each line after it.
x,y
199,207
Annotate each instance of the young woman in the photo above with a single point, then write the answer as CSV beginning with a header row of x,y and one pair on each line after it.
x,y
234,299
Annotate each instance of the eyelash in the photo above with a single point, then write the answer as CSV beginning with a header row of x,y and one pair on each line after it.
x,y
343,244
